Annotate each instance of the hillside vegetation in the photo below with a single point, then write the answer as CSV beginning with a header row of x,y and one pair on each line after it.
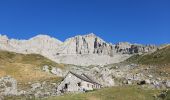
x,y
159,57
25,67
112,93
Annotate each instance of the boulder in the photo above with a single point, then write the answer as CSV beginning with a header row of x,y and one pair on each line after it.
x,y
35,86
46,68
22,92
150,76
57,71
129,82
148,81
168,84
156,83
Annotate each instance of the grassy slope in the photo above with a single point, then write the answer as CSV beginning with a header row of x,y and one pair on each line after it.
x,y
25,68
159,59
114,93
161,56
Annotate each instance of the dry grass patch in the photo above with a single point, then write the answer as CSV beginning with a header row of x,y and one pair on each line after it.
x,y
113,93
25,68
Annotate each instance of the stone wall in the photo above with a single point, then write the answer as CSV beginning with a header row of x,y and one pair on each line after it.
x,y
72,84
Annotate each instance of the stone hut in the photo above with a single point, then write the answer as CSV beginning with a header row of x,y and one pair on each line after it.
x,y
77,83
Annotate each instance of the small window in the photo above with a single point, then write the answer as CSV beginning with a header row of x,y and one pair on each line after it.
x,y
66,86
79,84
87,85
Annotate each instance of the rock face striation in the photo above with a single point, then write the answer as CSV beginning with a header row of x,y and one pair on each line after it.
x,y
79,50
127,48
86,44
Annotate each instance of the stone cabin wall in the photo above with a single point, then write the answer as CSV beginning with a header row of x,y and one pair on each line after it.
x,y
72,84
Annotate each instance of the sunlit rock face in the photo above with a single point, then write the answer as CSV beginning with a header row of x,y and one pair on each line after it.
x,y
127,48
79,50
86,44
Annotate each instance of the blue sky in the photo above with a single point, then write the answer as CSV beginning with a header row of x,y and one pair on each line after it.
x,y
136,21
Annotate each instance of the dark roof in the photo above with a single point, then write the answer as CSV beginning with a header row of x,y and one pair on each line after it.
x,y
90,78
83,78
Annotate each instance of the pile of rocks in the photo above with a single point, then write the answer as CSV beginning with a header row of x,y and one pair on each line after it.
x,y
8,86
54,70
43,89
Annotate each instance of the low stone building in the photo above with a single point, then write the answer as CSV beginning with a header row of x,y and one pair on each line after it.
x,y
77,83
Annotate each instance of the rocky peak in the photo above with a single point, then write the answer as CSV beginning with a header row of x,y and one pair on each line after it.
x,y
92,44
128,48
3,38
90,35
45,38
40,44
85,44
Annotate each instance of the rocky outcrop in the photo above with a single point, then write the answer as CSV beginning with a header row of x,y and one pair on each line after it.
x,y
168,84
106,78
127,48
41,44
8,86
54,70
91,44
86,44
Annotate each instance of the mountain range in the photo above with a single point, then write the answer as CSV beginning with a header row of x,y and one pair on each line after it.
x,y
82,50
35,67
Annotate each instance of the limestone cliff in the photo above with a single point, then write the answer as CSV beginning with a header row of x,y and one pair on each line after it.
x,y
79,50
86,44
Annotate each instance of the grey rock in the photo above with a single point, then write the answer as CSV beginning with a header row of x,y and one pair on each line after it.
x,y
106,78
35,86
168,84
156,83
22,92
148,81
150,76
159,79
46,68
129,82
57,71
1,97
8,86
87,44
116,67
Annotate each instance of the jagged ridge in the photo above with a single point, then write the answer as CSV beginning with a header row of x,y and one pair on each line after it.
x,y
81,47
